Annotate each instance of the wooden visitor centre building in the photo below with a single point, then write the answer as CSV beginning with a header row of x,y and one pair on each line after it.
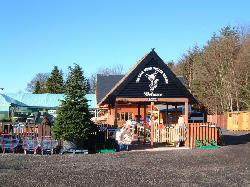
x,y
148,88
148,84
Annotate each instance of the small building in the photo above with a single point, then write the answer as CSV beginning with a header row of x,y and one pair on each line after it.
x,y
27,107
136,95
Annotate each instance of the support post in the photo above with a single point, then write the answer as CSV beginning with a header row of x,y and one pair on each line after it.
x,y
186,113
145,114
139,113
175,114
167,115
138,122
115,122
187,144
152,126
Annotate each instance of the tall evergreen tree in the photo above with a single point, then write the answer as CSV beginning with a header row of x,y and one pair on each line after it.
x,y
55,83
73,117
37,88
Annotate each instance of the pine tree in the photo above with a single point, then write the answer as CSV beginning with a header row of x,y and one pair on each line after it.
x,y
37,88
55,83
73,117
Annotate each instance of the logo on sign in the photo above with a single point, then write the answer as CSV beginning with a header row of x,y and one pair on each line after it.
x,y
153,81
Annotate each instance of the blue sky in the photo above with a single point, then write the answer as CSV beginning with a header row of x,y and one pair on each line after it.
x,y
36,35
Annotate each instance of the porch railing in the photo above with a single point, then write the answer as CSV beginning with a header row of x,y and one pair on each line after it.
x,y
169,134
201,131
187,134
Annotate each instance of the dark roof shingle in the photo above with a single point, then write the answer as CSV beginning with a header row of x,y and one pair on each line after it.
x,y
126,87
105,83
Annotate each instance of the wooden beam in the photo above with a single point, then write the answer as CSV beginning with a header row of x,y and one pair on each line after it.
x,y
170,100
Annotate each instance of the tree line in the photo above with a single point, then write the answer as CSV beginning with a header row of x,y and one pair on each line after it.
x,y
217,74
54,82
50,82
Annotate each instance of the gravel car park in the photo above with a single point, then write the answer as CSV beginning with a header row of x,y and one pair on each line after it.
x,y
226,166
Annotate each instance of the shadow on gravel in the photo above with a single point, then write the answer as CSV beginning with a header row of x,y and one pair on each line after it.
x,y
141,146
235,140
6,170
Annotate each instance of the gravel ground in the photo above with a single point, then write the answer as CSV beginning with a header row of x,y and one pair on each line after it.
x,y
226,166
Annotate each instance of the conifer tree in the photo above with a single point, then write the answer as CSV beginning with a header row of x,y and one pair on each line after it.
x,y
55,83
73,117
37,88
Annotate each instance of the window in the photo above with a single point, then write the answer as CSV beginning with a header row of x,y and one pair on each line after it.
x,y
126,116
130,115
118,116
122,116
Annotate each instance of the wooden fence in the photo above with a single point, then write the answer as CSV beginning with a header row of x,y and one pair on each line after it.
x,y
201,131
161,134
187,134
236,121
20,129
169,134
105,131
239,121
220,120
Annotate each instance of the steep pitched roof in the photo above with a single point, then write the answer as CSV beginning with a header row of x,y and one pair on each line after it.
x,y
181,78
137,81
104,84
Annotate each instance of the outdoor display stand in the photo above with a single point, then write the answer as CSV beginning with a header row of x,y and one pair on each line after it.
x,y
206,143
30,143
106,146
8,142
47,144
124,138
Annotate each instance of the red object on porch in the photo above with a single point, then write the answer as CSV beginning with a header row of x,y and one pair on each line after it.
x,y
161,126
146,124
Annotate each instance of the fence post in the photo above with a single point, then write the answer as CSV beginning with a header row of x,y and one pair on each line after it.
x,y
187,144
152,133
216,134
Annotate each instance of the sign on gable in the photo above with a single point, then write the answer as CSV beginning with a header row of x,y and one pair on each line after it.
x,y
151,74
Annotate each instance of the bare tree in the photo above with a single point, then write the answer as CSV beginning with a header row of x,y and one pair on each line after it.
x,y
42,79
218,74
115,70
